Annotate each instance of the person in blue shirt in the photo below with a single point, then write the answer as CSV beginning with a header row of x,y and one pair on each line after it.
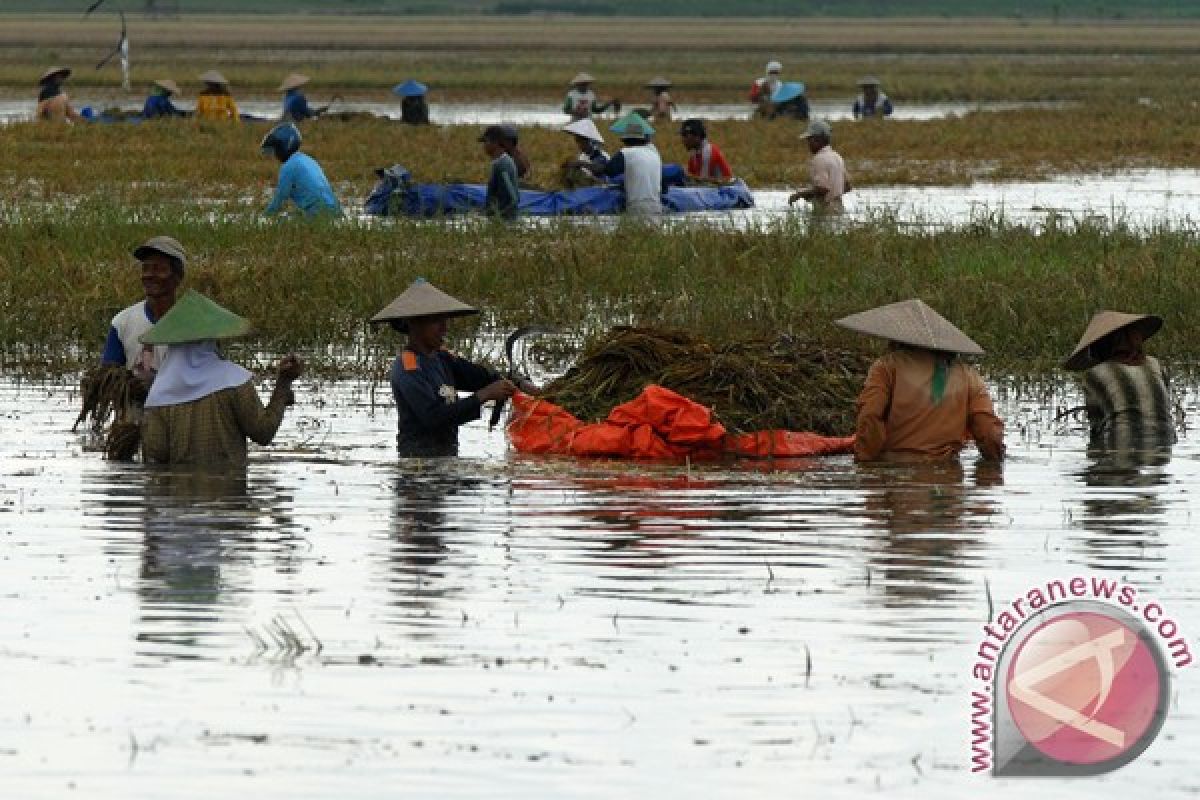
x,y
872,102
503,192
426,378
300,178
295,104
159,104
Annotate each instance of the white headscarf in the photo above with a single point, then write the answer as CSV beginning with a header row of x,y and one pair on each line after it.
x,y
192,371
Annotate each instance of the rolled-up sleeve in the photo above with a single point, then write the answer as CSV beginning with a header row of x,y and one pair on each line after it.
x,y
870,432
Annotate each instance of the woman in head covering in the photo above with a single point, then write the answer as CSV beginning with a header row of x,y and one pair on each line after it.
x,y
159,104
919,401
215,102
202,408
426,378
1125,390
53,104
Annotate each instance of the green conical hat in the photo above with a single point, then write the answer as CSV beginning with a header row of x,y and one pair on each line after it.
x,y
632,125
195,318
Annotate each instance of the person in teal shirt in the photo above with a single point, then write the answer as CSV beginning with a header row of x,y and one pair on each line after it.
x,y
301,179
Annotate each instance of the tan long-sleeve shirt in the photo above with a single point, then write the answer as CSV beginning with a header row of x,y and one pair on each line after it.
x,y
898,420
213,429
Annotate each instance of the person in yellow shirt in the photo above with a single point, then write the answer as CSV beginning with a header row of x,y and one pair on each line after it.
x,y
215,102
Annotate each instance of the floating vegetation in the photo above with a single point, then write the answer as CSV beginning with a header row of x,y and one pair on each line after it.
x,y
751,384
113,393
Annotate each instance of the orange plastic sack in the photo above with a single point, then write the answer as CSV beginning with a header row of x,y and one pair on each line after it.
x,y
658,424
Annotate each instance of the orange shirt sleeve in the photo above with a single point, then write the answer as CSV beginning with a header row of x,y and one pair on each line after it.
x,y
871,430
985,427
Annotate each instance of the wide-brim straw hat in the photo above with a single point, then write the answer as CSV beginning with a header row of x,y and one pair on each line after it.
x,y
1106,323
869,80
422,299
582,77
212,76
913,323
293,81
169,247
658,82
168,86
50,73
196,318
632,126
585,128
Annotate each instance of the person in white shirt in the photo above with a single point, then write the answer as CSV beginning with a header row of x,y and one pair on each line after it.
x,y
640,164
829,180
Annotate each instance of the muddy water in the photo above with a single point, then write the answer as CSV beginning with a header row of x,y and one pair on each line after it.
x,y
332,623
544,114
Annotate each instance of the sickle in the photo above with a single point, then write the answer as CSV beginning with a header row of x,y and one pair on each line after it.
x,y
510,345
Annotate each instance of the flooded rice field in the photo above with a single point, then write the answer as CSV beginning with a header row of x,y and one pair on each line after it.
x,y
334,622
526,113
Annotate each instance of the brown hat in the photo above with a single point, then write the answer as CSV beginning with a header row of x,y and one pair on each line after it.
x,y
293,81
422,299
913,323
212,76
65,72
659,82
582,77
1106,323
168,86
164,245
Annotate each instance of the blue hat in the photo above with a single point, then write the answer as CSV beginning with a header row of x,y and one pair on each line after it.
x,y
410,88
282,141
632,125
787,91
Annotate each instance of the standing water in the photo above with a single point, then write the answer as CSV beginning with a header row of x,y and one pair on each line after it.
x,y
333,622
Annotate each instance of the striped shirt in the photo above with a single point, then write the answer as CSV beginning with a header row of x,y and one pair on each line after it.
x,y
1128,407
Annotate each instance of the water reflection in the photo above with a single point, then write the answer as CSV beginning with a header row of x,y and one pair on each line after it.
x,y
934,522
1124,507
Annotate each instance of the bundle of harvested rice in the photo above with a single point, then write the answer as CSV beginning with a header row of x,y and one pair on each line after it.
x,y
113,393
754,384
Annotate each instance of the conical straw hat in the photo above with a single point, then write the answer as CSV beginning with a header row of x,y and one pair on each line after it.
x,y
582,77
422,299
658,82
1103,324
913,323
585,128
50,73
869,80
196,318
632,125
293,81
212,76
168,85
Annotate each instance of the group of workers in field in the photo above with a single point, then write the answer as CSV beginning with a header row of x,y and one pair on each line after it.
x,y
920,400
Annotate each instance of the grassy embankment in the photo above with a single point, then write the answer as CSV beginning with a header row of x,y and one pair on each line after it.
x,y
1024,298
920,60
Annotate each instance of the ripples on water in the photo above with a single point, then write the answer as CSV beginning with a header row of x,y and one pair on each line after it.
x,y
333,623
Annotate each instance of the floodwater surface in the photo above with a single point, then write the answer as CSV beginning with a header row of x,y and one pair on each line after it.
x,y
333,622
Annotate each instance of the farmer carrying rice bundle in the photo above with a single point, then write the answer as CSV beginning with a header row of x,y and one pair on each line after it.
x,y
919,401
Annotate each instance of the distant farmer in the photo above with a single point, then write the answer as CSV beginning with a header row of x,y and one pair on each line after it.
x,y
163,260
590,144
638,162
202,408
158,104
301,179
510,141
790,101
763,88
1125,390
705,161
871,102
426,378
214,102
503,192
662,107
581,101
413,108
53,104
829,180
295,104
919,401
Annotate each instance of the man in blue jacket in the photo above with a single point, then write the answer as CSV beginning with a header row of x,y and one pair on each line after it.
x,y
301,179
295,104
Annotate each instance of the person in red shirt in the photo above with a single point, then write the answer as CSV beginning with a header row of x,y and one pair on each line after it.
x,y
705,163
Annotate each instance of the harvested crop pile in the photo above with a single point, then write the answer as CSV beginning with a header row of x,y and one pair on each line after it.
x,y
754,384
113,393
